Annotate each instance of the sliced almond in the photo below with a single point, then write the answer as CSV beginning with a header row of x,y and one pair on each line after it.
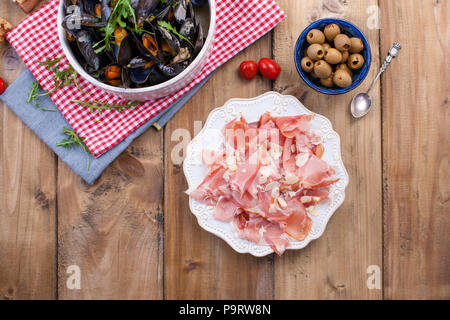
x,y
271,185
306,199
262,179
301,159
282,203
291,180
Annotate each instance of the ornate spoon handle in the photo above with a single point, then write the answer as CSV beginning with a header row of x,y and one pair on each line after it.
x,y
393,52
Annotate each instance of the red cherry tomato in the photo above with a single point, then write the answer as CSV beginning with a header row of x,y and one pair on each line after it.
x,y
248,69
2,86
269,68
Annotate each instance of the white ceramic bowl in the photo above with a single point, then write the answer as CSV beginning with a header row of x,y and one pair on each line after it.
x,y
211,138
157,91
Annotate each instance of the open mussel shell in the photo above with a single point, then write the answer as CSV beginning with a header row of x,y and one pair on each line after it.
x,y
106,10
75,22
85,41
126,79
145,9
183,55
140,75
200,40
111,74
137,62
170,39
173,70
199,3
187,29
123,52
91,7
162,13
181,11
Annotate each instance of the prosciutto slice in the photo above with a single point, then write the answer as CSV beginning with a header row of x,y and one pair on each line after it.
x,y
266,178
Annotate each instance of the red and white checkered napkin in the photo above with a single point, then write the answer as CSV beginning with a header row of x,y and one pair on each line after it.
x,y
239,24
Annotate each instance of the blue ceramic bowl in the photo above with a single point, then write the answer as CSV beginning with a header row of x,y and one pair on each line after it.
x,y
346,28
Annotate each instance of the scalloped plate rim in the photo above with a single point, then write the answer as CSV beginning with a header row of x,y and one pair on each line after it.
x,y
299,244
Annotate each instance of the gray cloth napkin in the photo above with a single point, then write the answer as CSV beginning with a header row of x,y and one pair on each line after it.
x,y
49,126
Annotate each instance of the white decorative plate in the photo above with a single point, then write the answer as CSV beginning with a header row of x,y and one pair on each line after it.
x,y
211,138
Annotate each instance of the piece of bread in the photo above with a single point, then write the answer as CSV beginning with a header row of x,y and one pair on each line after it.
x,y
5,27
27,5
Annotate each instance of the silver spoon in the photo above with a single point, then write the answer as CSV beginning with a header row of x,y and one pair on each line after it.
x,y
362,102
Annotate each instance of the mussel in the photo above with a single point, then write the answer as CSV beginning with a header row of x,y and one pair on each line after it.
x,y
145,9
181,10
172,70
199,3
85,41
75,22
163,40
170,39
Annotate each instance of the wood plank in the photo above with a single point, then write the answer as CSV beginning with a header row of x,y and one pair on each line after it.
x,y
27,196
334,266
197,264
112,230
416,150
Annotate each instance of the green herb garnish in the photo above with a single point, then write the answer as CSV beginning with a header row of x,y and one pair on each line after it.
x,y
74,140
34,94
169,27
121,12
99,106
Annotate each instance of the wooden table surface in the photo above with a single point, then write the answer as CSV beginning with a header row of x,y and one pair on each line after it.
x,y
132,234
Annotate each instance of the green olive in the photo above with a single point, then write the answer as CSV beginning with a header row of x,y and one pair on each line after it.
x,y
345,55
342,42
313,74
328,82
316,52
326,46
315,36
356,45
322,69
342,79
333,56
331,31
344,67
355,61
307,64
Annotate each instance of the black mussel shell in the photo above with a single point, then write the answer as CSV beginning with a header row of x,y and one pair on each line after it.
x,y
199,3
75,22
170,39
137,62
172,70
200,40
124,53
187,30
181,11
145,9
85,40
106,10
140,75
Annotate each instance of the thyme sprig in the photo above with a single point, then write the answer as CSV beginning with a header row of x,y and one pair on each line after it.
x,y
74,140
99,106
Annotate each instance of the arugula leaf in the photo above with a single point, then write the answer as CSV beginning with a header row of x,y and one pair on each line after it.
x,y
169,27
120,14
74,140
34,94
99,105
